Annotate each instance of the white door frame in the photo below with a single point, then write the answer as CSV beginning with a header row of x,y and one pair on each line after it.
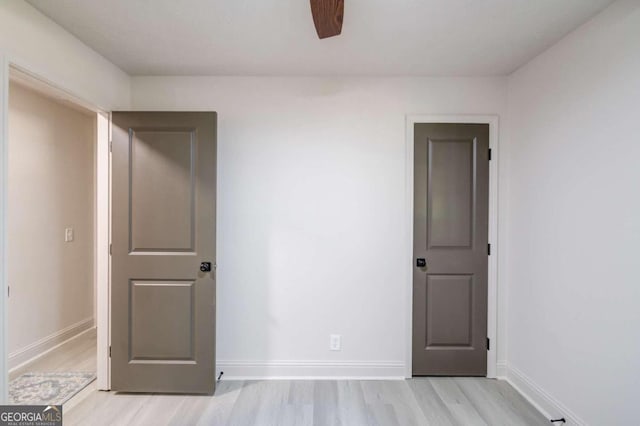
x,y
103,256
492,288
4,133
102,208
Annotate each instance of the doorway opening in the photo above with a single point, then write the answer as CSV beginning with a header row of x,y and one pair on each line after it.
x,y
53,237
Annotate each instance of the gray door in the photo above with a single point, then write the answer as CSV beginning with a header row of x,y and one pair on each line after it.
x,y
451,198
163,229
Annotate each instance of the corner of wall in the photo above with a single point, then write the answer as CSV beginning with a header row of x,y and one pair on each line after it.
x,y
548,405
40,46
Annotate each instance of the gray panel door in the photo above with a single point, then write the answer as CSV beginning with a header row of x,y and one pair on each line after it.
x,y
163,228
451,198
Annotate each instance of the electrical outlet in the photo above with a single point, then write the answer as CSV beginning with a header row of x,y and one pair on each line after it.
x,y
335,342
68,235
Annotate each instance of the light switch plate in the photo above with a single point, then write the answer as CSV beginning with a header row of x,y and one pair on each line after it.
x,y
68,235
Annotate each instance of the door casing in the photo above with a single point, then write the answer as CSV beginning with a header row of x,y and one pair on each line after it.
x,y
492,287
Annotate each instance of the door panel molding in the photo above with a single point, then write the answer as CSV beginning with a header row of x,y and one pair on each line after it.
x,y
148,222
460,338
492,283
465,240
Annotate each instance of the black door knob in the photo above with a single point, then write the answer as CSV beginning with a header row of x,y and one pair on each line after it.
x,y
421,262
205,266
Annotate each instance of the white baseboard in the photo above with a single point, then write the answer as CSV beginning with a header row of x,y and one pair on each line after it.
x,y
46,344
501,370
549,406
311,370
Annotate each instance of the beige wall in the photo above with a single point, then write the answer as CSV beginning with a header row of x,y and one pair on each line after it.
x,y
51,187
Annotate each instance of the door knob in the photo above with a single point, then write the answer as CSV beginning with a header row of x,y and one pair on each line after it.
x,y
205,266
421,262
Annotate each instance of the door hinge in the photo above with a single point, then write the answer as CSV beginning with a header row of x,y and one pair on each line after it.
x,y
489,154
489,249
110,249
488,344
109,351
110,146
8,291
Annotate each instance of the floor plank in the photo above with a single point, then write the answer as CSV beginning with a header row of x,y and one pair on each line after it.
x,y
434,409
352,408
325,403
459,406
218,410
398,395
487,401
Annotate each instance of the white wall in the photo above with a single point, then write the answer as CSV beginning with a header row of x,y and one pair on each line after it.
x,y
34,41
311,211
574,223
51,187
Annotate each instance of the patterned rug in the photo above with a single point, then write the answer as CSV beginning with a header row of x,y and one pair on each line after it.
x,y
47,388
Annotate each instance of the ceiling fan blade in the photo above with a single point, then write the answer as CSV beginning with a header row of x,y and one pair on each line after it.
x,y
327,17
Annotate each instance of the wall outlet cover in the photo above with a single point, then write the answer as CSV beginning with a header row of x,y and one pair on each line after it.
x,y
335,342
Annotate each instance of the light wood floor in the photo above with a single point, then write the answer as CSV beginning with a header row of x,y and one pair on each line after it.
x,y
420,401
429,401
77,355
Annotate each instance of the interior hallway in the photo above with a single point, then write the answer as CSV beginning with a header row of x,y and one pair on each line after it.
x,y
78,354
